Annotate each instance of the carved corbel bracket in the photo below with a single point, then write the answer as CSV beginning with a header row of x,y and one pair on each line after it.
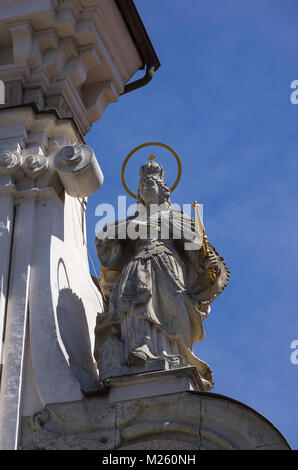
x,y
22,41
77,69
97,96
55,60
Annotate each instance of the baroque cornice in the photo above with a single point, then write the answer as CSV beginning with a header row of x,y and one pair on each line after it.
x,y
68,50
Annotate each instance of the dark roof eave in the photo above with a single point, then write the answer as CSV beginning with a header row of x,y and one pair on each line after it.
x,y
142,41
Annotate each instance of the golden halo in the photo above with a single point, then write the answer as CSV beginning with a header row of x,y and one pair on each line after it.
x,y
147,144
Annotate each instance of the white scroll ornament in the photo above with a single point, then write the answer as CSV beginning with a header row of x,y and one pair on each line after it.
x,y
78,170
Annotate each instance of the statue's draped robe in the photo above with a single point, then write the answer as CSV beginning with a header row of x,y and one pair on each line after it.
x,y
163,290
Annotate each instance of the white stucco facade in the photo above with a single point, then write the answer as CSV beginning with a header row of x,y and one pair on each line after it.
x,y
62,63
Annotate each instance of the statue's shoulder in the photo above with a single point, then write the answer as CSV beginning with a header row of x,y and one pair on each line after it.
x,y
113,230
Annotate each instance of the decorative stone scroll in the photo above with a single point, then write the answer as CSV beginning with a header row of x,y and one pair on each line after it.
x,y
10,162
78,170
35,165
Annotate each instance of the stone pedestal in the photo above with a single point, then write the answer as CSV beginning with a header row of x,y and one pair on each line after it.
x,y
186,420
154,383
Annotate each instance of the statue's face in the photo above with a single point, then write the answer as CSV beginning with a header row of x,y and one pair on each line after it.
x,y
149,189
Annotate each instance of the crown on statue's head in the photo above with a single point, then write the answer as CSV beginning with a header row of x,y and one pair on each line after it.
x,y
152,168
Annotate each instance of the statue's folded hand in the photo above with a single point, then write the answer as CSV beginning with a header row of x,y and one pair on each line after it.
x,y
212,261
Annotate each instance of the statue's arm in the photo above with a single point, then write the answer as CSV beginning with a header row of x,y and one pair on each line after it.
x,y
113,254
113,249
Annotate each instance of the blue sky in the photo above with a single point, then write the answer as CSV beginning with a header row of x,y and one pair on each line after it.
x,y
221,99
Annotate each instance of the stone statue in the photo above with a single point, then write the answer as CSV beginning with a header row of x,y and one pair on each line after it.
x,y
156,286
